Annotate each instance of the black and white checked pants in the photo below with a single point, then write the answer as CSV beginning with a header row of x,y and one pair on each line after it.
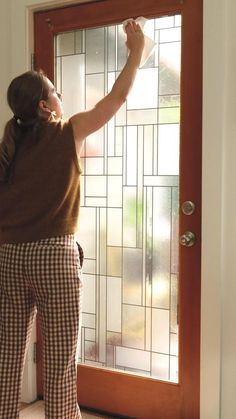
x,y
42,277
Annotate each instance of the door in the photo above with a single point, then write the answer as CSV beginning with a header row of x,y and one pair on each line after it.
x,y
140,341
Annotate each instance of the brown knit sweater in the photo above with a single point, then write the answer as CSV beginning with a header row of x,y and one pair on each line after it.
x,y
43,198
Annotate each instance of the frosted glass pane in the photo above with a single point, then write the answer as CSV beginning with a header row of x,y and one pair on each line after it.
x,y
90,350
94,166
87,231
111,137
115,166
114,261
133,358
88,320
95,202
167,101
133,326
89,266
170,35
168,149
175,231
131,163
94,144
95,50
94,89
58,74
161,247
96,186
73,84
114,227
65,44
89,294
114,191
129,217
90,334
102,241
121,48
132,274
174,344
114,307
137,99
160,331
102,318
174,302
164,22
119,141
174,367
160,366
161,180
142,117
79,42
111,34
169,75
169,115
114,338
178,20
148,150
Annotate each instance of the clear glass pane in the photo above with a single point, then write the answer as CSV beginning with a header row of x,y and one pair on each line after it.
x,y
129,198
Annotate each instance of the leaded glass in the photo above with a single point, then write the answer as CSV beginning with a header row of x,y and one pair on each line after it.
x,y
129,198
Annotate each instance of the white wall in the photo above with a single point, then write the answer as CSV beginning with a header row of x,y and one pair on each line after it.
x,y
218,338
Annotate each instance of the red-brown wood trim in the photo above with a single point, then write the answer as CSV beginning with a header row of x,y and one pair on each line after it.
x,y
190,258
164,398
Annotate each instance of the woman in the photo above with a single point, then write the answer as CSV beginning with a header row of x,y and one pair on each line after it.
x,y
39,204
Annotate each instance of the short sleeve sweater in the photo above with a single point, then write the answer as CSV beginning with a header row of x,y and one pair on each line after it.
x,y
43,199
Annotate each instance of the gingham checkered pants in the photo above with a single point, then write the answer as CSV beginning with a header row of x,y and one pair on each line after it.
x,y
42,277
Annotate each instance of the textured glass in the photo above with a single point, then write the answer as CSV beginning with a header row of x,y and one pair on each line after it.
x,y
65,44
114,288
132,358
73,84
132,276
89,289
129,217
95,50
168,149
169,69
142,117
114,191
170,35
79,42
114,227
133,326
161,235
149,78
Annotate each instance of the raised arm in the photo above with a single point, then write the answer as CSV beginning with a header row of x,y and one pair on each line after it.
x,y
85,123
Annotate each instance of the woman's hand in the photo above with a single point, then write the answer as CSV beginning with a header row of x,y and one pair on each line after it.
x,y
135,37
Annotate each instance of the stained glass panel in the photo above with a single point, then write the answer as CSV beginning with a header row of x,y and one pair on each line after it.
x,y
129,198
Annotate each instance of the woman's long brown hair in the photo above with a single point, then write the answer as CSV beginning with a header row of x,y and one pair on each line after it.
x,y
23,96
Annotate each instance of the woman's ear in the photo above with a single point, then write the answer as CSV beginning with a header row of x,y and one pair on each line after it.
x,y
43,108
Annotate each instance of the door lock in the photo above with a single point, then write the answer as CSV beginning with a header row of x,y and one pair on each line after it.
x,y
188,207
188,239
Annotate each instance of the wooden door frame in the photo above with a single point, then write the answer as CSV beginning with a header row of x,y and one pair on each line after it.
x,y
186,394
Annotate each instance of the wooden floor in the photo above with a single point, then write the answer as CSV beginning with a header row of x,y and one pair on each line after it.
x,y
36,411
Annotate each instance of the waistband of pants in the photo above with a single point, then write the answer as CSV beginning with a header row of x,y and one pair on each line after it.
x,y
65,240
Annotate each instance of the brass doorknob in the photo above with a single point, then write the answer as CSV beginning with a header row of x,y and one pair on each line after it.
x,y
188,239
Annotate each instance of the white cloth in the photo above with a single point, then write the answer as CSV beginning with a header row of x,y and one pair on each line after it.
x,y
149,43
